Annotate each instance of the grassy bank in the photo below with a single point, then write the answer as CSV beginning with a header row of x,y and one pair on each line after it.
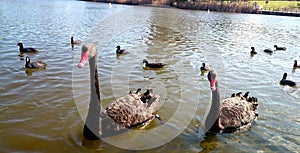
x,y
279,4
239,6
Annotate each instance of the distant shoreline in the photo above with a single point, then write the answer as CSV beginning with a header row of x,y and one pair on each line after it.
x,y
217,6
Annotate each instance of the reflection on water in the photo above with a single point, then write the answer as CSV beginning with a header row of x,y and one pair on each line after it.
x,y
209,143
45,109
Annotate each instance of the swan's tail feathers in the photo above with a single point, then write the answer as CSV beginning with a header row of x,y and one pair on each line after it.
x,y
246,94
254,102
233,95
158,117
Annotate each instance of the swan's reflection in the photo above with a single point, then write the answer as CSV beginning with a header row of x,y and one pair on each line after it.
x,y
209,143
294,69
21,55
202,72
92,144
30,71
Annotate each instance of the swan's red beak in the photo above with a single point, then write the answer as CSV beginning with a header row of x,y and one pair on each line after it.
x,y
84,59
213,84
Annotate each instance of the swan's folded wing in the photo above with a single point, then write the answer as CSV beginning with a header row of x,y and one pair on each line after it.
x,y
235,113
129,111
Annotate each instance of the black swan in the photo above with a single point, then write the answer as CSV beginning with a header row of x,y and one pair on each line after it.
x,y
121,51
152,65
279,48
253,52
126,112
73,42
232,114
34,65
284,81
296,65
268,50
26,50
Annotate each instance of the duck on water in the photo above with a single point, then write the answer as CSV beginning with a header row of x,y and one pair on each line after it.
x,y
296,64
26,50
279,48
34,65
74,42
152,65
287,82
126,112
253,52
121,51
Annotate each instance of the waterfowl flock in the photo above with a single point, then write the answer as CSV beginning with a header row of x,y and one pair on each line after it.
x,y
268,50
283,81
138,108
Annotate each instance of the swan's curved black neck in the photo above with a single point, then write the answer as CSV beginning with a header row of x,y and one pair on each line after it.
x,y
91,127
213,114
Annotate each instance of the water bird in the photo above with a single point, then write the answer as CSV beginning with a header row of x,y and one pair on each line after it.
x,y
268,50
124,113
296,65
26,50
109,4
279,48
253,52
73,42
121,51
152,65
236,113
284,81
34,65
205,67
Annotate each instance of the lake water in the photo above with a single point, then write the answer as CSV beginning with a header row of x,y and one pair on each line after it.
x,y
43,111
